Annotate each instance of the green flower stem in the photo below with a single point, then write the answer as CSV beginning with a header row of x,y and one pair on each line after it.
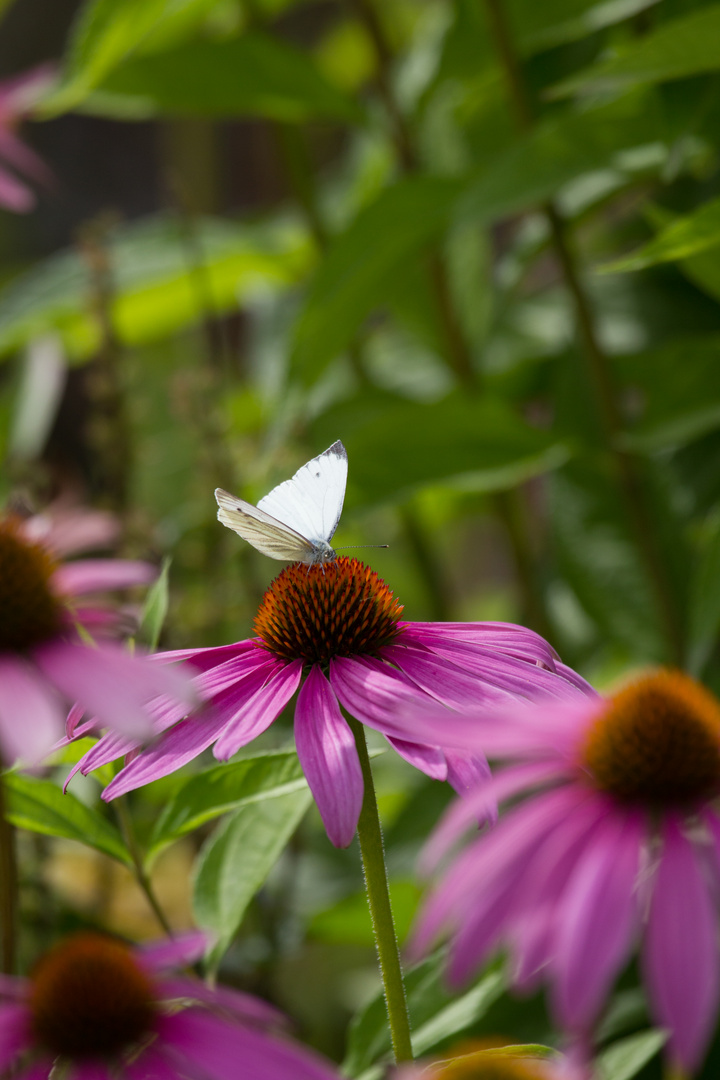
x,y
376,886
141,875
8,885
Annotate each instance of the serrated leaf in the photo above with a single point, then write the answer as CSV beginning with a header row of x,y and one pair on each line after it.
x,y
224,788
155,608
253,75
154,280
625,1058
675,49
41,806
235,862
477,445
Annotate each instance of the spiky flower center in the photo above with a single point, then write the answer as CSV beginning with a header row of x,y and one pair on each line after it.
x,y
657,742
314,613
29,611
483,1062
90,998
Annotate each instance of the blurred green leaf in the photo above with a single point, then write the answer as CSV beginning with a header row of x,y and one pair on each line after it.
x,y
546,25
435,1014
41,807
476,444
685,236
625,1058
236,860
155,608
349,920
673,50
223,788
163,278
251,75
362,262
704,613
106,31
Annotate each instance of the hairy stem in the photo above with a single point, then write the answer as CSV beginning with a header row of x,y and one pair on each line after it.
x,y
8,885
376,886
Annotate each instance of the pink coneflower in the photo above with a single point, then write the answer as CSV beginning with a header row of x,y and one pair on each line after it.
x,y
616,841
336,629
17,95
45,657
95,1009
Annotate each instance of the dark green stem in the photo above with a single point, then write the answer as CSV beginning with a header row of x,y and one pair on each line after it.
x,y
141,875
8,885
376,886
598,367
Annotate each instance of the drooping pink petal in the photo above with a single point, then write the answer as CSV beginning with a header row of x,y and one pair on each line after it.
x,y
507,638
67,531
259,711
441,679
680,953
217,1047
110,683
246,1007
371,691
74,718
166,955
597,919
329,759
15,1035
97,575
255,663
23,158
15,195
154,1063
429,759
466,773
31,714
206,658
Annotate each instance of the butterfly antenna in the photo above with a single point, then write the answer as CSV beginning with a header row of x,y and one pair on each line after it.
x,y
348,547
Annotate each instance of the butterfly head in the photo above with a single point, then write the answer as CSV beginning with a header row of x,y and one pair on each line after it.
x,y
321,553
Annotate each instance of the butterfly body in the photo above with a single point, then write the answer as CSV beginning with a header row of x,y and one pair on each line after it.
x,y
296,521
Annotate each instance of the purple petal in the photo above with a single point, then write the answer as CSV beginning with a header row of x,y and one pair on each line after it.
x,y
204,659
429,759
327,753
597,920
680,955
74,717
245,1007
39,1070
15,195
153,1064
90,1070
467,773
174,953
259,711
110,683
31,715
442,679
506,638
254,662
371,691
15,1035
97,575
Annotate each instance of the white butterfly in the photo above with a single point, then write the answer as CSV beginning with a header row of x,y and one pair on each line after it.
x,y
297,519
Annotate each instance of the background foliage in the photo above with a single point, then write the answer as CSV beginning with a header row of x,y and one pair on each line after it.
x,y
477,240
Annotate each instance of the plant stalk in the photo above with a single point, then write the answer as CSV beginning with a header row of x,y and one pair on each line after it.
x,y
376,886
141,875
8,884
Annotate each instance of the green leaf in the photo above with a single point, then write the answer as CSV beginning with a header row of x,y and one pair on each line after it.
x,y
435,1014
156,608
476,445
362,262
556,22
684,237
223,788
704,603
237,859
349,921
155,271
625,1058
675,49
254,75
41,806
107,31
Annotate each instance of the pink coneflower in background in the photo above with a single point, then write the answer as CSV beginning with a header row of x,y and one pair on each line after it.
x,y
17,97
617,841
95,1009
336,630
46,659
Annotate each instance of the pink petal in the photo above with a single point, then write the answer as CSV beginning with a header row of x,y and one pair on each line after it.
x,y
96,575
255,662
327,753
68,531
442,679
680,954
204,659
245,1007
596,920
466,773
258,712
31,715
14,1033
153,1064
110,683
39,1070
74,717
14,195
175,953
507,638
371,691
90,1070
23,158
429,759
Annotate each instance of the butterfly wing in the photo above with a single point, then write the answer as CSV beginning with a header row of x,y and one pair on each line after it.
x,y
311,502
270,536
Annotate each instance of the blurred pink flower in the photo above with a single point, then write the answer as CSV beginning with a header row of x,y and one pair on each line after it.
x,y
17,96
616,841
98,1010
336,629
45,657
